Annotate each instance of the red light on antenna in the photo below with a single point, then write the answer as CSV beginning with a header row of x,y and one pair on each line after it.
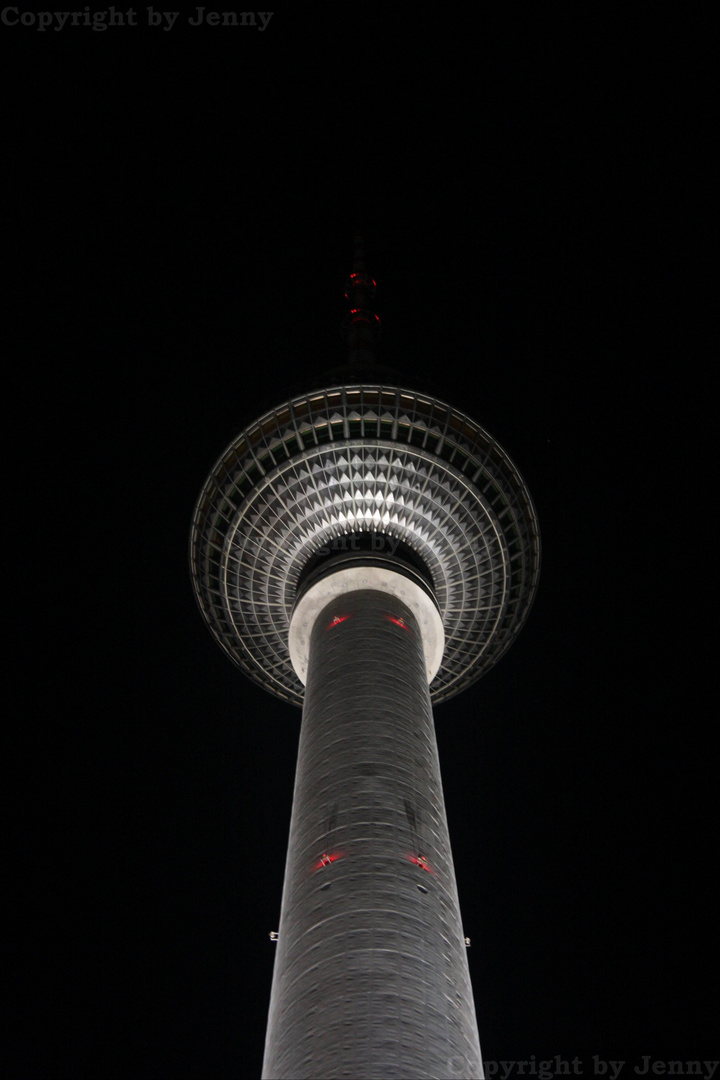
x,y
336,620
398,622
362,279
362,315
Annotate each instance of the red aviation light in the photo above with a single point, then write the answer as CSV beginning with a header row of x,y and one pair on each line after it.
x,y
421,861
360,280
363,315
336,620
398,622
326,859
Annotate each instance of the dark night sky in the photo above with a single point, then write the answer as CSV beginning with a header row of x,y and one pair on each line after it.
x,y
180,211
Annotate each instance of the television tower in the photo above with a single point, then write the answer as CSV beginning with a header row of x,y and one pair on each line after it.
x,y
361,551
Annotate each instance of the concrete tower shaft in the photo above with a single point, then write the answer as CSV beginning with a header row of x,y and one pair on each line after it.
x,y
371,977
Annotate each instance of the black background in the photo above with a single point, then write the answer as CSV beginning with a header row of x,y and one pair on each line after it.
x,y
534,190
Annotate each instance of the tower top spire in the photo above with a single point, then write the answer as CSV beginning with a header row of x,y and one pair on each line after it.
x,y
361,324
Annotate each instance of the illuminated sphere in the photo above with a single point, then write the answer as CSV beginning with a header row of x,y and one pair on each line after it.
x,y
374,469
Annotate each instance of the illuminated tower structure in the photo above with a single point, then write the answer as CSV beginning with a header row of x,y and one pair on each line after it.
x,y
361,551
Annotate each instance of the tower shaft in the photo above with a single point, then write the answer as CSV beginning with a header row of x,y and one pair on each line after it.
x,y
371,976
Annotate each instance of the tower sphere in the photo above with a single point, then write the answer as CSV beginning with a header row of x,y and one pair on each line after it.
x,y
366,472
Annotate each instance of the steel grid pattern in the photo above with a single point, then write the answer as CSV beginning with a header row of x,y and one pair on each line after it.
x,y
371,976
364,459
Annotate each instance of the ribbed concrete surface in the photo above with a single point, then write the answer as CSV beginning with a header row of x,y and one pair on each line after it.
x,y
371,977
